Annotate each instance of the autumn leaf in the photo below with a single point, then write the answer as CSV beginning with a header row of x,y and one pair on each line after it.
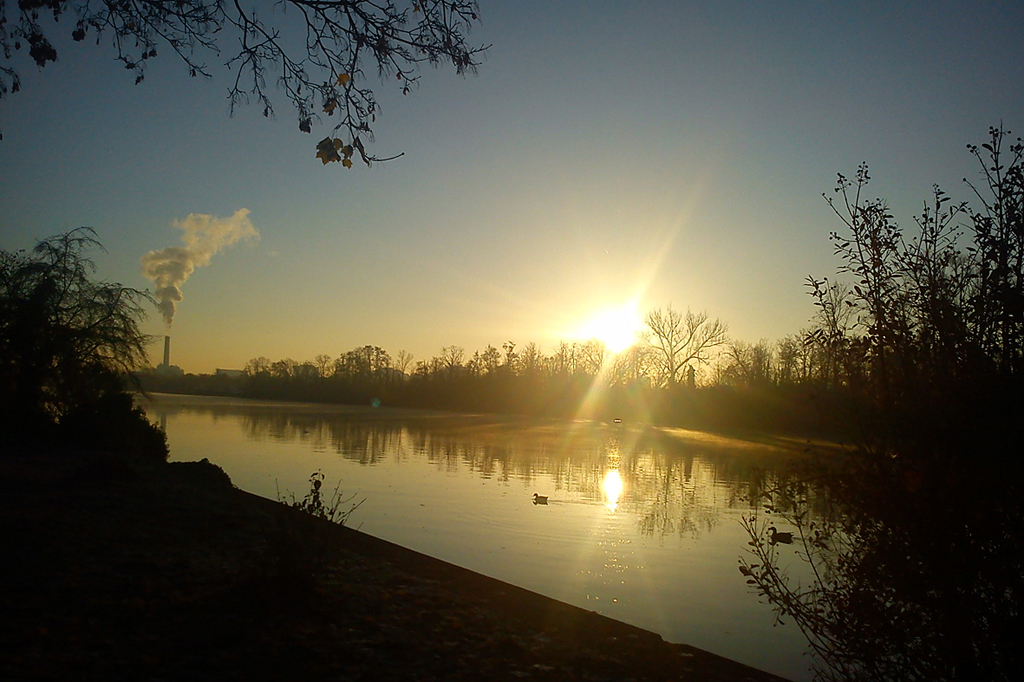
x,y
347,163
331,105
343,79
326,151
304,125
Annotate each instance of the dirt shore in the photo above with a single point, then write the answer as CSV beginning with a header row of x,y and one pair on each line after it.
x,y
114,569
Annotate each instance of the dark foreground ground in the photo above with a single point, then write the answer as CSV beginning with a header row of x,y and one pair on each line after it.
x,y
116,570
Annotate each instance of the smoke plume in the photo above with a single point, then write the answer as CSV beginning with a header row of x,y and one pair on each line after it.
x,y
204,236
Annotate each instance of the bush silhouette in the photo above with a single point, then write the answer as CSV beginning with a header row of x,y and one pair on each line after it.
x,y
66,343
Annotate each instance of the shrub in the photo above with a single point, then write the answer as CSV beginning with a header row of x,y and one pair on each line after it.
x,y
113,423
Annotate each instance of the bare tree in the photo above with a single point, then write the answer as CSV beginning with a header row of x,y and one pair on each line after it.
x,y
792,360
403,360
632,364
511,357
364,362
683,340
318,55
490,359
323,364
592,354
998,231
532,360
749,364
452,358
564,359
283,369
257,366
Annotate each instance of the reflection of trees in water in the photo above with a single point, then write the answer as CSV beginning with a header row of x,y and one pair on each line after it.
x,y
685,491
354,437
913,578
674,488
451,452
670,491
366,442
676,494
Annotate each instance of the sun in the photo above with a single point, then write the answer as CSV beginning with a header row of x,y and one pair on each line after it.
x,y
616,328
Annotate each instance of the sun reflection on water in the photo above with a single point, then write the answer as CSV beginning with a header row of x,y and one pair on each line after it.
x,y
612,487
459,488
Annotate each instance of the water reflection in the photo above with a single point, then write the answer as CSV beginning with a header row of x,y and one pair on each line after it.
x,y
643,526
612,487
676,486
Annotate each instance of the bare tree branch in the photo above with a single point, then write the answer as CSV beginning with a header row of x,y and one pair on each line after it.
x,y
683,339
322,56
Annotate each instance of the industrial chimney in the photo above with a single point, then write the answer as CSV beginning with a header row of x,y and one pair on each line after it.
x,y
167,351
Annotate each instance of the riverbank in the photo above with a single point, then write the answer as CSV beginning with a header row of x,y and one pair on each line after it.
x,y
118,570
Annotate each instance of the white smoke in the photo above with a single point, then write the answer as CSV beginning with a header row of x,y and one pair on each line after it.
x,y
204,236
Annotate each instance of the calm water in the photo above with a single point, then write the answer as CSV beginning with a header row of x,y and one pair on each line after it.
x,y
642,525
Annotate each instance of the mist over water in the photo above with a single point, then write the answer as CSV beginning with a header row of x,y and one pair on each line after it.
x,y
641,525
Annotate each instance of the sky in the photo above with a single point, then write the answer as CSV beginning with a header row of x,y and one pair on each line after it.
x,y
606,155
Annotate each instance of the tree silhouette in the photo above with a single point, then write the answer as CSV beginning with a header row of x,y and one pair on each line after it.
x,y
915,535
681,339
318,55
63,335
66,341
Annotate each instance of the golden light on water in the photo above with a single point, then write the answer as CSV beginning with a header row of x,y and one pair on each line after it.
x,y
612,487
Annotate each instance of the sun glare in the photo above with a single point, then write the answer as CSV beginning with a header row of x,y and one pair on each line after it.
x,y
612,487
616,328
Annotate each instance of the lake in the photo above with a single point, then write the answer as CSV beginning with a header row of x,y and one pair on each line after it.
x,y
641,524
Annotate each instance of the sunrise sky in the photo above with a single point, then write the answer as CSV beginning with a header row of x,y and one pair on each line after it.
x,y
608,155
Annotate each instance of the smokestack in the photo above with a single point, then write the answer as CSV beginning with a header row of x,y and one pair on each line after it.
x,y
167,351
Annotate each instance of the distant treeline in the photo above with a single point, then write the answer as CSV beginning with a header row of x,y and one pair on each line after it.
x,y
791,386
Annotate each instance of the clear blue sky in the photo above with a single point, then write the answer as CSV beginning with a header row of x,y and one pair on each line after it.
x,y
657,152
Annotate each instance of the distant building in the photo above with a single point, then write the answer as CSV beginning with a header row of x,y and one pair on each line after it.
x,y
229,373
169,370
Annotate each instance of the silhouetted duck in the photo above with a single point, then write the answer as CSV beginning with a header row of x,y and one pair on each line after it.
x,y
540,499
775,537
